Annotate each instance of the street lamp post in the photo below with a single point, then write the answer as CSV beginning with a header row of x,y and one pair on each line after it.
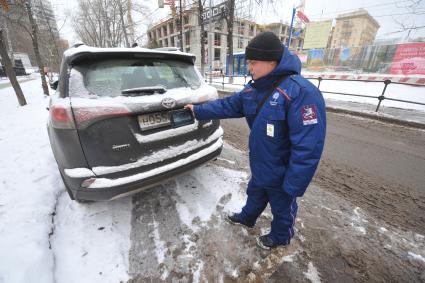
x,y
292,26
181,27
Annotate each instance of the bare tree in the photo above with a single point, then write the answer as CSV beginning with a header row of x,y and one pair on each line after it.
x,y
127,43
105,23
34,38
53,56
411,9
130,21
10,72
143,13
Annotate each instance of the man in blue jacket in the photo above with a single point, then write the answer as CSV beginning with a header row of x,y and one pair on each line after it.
x,y
286,115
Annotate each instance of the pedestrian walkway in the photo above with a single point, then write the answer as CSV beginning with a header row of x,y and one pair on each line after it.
x,y
4,83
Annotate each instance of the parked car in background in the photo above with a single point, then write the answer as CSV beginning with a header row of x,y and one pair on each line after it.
x,y
117,124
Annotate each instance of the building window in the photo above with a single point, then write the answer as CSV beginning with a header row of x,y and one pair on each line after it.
x,y
187,36
166,42
251,30
346,24
172,41
240,42
186,20
217,39
241,28
216,53
171,27
165,30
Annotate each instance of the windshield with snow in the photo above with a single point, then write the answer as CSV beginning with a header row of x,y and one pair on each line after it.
x,y
115,77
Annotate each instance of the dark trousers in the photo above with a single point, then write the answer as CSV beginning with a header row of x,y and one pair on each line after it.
x,y
284,209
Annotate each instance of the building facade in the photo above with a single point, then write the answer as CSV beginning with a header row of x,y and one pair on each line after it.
x,y
167,34
354,29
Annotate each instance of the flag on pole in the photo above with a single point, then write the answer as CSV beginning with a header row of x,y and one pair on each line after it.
x,y
303,17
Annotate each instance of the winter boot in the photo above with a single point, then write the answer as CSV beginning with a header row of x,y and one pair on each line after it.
x,y
234,218
266,242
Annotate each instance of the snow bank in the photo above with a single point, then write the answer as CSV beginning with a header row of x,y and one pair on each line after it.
x,y
46,237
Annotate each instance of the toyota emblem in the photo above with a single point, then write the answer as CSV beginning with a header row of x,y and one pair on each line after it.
x,y
168,102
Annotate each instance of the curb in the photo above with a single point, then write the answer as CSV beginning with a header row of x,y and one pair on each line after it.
x,y
417,125
391,120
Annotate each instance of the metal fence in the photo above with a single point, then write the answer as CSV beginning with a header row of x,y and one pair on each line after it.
x,y
209,79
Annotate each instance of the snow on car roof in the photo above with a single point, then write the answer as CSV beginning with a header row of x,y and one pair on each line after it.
x,y
85,49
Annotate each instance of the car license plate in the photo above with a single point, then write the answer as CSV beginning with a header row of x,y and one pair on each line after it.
x,y
154,120
181,117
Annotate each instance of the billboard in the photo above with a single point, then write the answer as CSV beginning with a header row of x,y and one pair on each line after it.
x,y
315,57
409,59
317,34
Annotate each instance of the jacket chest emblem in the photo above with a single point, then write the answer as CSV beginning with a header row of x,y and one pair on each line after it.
x,y
275,97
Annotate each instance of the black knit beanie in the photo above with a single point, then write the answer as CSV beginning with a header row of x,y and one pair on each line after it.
x,y
265,46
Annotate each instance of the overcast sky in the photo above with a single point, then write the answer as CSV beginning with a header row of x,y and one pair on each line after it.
x,y
386,12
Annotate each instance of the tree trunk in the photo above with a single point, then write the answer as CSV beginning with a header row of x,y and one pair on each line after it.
x,y
230,37
123,24
130,21
34,37
57,59
10,72
202,24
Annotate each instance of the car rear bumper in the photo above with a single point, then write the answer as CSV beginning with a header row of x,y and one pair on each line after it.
x,y
103,188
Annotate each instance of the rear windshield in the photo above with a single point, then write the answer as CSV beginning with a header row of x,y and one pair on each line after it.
x,y
111,77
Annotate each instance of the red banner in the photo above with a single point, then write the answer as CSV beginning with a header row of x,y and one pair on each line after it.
x,y
409,59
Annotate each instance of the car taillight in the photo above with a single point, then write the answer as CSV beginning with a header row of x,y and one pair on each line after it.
x,y
61,117
84,116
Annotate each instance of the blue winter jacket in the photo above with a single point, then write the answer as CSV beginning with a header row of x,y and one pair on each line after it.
x,y
288,134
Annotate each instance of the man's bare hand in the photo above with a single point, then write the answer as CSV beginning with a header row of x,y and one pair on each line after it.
x,y
189,106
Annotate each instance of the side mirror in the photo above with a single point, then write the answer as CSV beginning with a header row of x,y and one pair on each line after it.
x,y
54,85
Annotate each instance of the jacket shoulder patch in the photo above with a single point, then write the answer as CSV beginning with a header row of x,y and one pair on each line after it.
x,y
309,114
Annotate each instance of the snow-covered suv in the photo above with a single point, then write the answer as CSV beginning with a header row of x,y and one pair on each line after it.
x,y
117,124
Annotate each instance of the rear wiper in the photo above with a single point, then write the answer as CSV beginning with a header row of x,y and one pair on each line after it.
x,y
145,89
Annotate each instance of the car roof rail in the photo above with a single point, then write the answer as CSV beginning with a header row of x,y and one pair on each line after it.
x,y
167,49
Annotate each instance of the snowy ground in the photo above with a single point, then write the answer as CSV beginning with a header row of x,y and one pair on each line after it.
x,y
83,242
173,232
